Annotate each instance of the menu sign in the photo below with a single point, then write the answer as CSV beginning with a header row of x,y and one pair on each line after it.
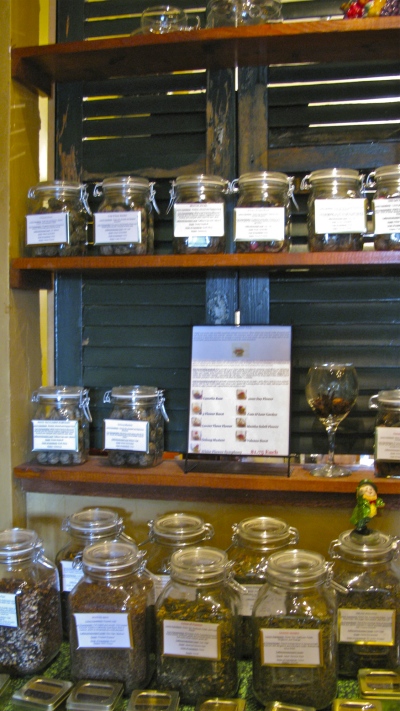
x,y
240,390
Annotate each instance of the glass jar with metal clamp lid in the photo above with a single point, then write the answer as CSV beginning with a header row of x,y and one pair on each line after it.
x,y
134,431
386,206
387,432
60,426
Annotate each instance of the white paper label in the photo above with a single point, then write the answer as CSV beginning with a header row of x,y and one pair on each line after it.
x,y
8,610
335,216
387,443
247,599
70,575
118,227
54,435
386,216
50,228
130,436
361,626
259,224
194,219
291,647
191,639
103,631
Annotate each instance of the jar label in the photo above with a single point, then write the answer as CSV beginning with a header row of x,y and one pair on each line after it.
x,y
291,647
70,575
98,630
259,224
247,599
130,436
8,610
199,219
200,640
118,227
52,435
387,443
51,228
386,216
340,216
360,626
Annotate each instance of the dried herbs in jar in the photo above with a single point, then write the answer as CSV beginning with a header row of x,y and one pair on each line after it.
x,y
294,632
387,432
196,618
30,611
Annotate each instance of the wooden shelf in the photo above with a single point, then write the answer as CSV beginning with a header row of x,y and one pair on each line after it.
x,y
239,483
36,272
281,43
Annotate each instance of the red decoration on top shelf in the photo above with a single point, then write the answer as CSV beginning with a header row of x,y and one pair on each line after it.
x,y
370,8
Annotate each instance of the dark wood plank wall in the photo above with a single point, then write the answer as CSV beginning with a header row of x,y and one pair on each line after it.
x,y
135,328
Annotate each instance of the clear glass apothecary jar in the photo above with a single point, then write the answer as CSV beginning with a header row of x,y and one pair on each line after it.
x,y
60,426
84,528
337,210
124,222
368,601
262,212
58,219
386,206
109,622
387,432
196,620
294,631
134,432
199,214
253,541
234,13
30,610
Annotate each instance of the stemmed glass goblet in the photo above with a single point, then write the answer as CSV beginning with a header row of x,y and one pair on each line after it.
x,y
331,392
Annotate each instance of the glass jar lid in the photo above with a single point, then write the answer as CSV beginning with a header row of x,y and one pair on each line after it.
x,y
296,567
59,393
264,532
201,565
59,187
365,549
111,559
387,171
180,529
127,182
334,174
93,523
386,398
18,544
134,393
263,178
206,181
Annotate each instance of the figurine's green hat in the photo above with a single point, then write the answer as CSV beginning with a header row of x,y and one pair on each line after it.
x,y
363,482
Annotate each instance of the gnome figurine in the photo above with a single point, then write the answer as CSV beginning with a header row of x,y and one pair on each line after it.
x,y
368,503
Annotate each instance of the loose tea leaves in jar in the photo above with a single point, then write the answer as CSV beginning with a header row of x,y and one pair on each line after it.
x,y
386,206
387,439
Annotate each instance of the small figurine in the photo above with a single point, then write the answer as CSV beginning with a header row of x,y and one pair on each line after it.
x,y
368,503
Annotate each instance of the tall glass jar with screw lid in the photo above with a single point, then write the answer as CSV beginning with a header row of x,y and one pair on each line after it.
x,y
368,600
60,426
134,432
253,541
386,206
262,212
109,623
199,214
337,210
387,432
124,221
30,611
196,618
84,528
294,631
58,219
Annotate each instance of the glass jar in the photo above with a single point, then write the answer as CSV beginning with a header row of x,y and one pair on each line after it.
x,y
168,533
109,625
294,630
84,528
134,432
196,619
60,427
231,13
124,221
387,432
253,541
58,219
30,611
199,214
262,213
337,210
368,601
386,206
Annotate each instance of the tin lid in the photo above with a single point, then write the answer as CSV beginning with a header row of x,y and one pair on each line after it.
x,y
218,704
111,559
379,684
387,398
334,174
264,178
365,549
153,700
41,693
93,523
296,567
94,696
201,565
356,705
180,529
265,532
281,706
